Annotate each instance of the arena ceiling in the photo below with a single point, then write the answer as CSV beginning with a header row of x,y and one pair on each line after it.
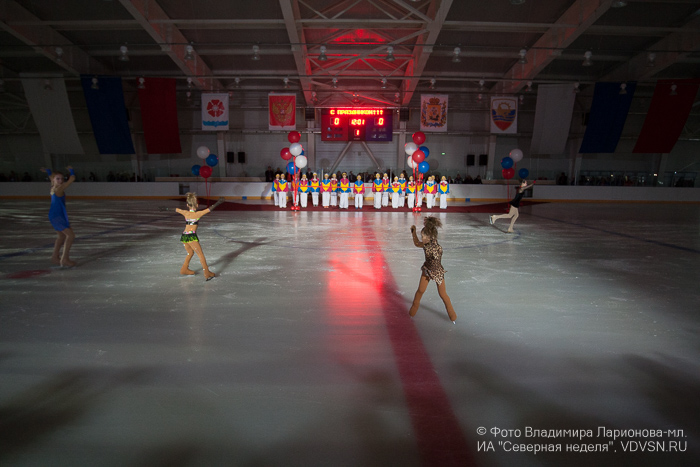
x,y
351,52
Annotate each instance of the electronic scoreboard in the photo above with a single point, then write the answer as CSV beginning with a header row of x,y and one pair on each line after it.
x,y
356,124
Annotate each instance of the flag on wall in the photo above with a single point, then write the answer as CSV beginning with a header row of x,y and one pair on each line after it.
x,y
504,115
283,111
433,112
555,106
668,112
110,123
50,109
214,111
159,116
607,117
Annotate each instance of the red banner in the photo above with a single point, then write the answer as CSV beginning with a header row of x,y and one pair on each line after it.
x,y
159,116
668,112
282,111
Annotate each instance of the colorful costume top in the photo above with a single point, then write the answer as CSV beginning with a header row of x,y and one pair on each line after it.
x,y
432,268
411,187
395,187
419,186
403,182
359,188
57,213
274,185
344,185
334,185
325,185
444,188
303,186
430,187
315,185
386,183
378,186
283,186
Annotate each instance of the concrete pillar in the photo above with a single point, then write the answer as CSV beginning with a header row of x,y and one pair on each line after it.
x,y
400,150
490,175
221,152
310,146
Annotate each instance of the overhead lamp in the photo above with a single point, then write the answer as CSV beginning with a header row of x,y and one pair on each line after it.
x,y
124,53
455,53
623,88
397,97
355,98
47,85
618,4
189,97
383,83
335,83
286,83
189,52
142,83
432,83
529,86
523,56
479,97
323,57
314,97
651,59
95,83
517,2
673,89
189,82
390,54
521,99
237,82
256,53
587,58
576,87
59,54
481,85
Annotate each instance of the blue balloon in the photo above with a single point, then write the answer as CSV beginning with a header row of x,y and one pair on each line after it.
x,y
507,162
523,173
212,160
302,152
290,167
423,167
425,150
195,170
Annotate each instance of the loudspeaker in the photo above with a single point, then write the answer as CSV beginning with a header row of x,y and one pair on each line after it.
x,y
309,114
230,158
470,159
404,114
241,158
483,159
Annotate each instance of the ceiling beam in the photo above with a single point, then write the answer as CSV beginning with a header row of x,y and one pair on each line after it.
x,y
172,42
582,14
45,41
291,14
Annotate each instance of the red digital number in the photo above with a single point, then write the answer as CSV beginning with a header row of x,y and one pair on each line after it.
x,y
380,121
336,121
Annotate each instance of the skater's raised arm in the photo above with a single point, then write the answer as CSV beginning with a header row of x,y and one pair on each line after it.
x,y
416,242
220,200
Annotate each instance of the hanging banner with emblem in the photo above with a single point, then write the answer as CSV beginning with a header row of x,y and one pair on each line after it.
x,y
214,111
504,115
433,112
282,111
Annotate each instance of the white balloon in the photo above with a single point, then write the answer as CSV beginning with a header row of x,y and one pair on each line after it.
x,y
295,149
411,148
202,152
411,163
301,161
516,155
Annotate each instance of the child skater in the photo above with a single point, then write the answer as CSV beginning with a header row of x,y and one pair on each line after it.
x,y
315,185
443,190
430,190
344,190
395,189
411,192
334,190
189,237
59,217
419,191
275,187
377,188
514,205
432,268
359,190
402,193
326,191
303,191
386,184
282,189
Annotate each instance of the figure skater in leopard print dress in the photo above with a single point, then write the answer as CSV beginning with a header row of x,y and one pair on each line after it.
x,y
432,268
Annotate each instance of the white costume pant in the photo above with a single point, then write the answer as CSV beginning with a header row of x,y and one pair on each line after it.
x,y
377,200
385,198
344,197
429,200
283,199
276,197
443,201
402,199
314,198
359,198
304,199
326,198
419,199
395,200
334,198
411,200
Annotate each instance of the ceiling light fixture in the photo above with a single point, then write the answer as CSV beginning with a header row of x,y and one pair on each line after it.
x,y
432,83
517,2
47,85
521,99
95,83
456,52
587,58
673,89
256,53
523,56
651,59
390,54
397,98
59,54
237,82
479,97
529,86
334,83
189,52
618,4
576,87
623,88
481,85
124,53
142,83
322,57
383,83
286,83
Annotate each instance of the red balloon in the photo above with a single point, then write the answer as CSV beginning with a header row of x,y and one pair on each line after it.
x,y
205,172
286,155
507,173
419,137
294,136
418,156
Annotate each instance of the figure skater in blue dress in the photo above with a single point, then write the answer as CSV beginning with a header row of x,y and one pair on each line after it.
x,y
59,217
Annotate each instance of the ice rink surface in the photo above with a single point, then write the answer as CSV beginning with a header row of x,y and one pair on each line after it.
x,y
301,352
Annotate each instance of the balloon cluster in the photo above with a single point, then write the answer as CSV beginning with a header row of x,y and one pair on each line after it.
x,y
509,162
418,154
298,161
211,159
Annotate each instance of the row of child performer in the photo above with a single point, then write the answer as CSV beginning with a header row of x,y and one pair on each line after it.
x,y
336,192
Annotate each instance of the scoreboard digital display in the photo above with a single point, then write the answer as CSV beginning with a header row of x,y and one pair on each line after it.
x,y
356,124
